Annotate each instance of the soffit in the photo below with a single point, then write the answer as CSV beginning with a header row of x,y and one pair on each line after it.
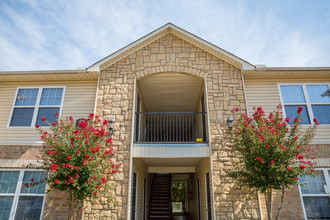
x,y
183,34
171,162
170,92
49,75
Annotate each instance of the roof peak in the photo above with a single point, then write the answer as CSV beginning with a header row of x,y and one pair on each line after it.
x,y
179,32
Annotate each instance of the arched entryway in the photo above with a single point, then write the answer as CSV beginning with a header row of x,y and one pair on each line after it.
x,y
170,141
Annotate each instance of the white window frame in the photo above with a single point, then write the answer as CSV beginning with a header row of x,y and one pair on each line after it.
x,y
307,103
18,193
36,106
327,182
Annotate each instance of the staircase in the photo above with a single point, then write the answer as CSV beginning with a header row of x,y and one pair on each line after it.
x,y
160,197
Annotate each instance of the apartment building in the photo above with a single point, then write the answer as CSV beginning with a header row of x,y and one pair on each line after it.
x,y
170,94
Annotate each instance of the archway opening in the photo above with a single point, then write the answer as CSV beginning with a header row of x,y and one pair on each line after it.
x,y
170,108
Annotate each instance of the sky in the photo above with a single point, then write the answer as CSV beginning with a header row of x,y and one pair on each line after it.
x,y
66,34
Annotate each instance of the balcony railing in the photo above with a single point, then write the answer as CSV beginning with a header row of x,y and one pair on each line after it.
x,y
170,127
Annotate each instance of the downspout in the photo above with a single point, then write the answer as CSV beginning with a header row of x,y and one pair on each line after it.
x,y
247,112
97,91
244,91
131,155
210,146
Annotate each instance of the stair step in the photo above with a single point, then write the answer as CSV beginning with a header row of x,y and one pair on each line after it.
x,y
160,201
162,214
159,205
159,208
160,198
159,218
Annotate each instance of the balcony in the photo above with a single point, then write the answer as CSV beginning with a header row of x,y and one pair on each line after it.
x,y
170,128
170,117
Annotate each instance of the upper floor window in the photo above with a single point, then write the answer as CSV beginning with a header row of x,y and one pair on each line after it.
x,y
315,195
19,198
314,98
31,104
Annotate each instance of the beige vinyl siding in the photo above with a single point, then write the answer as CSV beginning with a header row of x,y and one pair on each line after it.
x,y
201,169
79,101
265,93
141,171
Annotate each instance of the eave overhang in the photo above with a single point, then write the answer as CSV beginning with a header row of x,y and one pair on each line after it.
x,y
287,72
48,75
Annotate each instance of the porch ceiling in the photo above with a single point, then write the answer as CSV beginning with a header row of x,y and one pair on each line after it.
x,y
170,92
170,162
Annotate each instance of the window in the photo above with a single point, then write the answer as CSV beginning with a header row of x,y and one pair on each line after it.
x,y
18,201
31,104
314,98
315,195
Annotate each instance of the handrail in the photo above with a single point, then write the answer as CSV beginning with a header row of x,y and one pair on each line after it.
x,y
149,194
170,127
166,112
170,186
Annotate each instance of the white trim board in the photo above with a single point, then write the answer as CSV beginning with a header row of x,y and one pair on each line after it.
x,y
171,169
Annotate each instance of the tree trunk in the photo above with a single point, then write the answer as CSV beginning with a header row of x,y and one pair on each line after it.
x,y
72,212
70,206
268,198
282,198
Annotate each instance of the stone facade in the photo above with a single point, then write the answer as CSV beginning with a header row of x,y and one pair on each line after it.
x,y
225,91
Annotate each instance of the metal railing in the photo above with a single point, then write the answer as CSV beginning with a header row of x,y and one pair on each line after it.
x,y
170,127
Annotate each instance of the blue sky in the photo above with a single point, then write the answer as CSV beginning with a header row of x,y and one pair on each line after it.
x,y
65,34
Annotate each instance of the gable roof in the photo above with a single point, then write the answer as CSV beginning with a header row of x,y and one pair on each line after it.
x,y
179,32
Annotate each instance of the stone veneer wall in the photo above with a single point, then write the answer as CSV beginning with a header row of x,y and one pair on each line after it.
x,y
225,91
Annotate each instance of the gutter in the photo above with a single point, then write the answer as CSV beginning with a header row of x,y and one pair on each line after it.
x,y
37,72
265,68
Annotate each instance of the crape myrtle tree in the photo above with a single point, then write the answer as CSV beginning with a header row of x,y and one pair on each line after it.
x,y
78,158
272,152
